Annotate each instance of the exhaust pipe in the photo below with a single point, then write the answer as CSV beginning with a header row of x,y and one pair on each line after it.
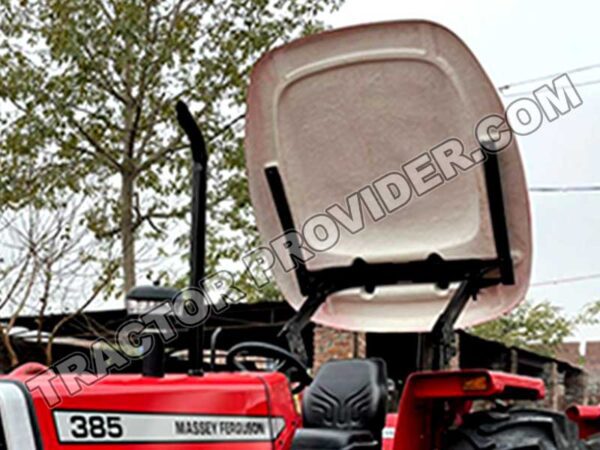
x,y
198,238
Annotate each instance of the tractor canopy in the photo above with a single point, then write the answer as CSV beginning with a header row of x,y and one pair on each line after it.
x,y
369,141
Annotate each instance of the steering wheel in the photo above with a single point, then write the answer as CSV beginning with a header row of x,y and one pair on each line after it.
x,y
282,361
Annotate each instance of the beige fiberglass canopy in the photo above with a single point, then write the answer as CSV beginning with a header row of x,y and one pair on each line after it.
x,y
331,114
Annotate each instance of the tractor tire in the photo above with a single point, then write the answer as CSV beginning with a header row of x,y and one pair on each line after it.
x,y
593,442
515,429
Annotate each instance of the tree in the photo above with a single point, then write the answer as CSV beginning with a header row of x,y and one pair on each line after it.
x,y
42,258
540,327
91,87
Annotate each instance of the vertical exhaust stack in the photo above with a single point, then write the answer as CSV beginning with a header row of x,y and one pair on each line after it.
x,y
198,237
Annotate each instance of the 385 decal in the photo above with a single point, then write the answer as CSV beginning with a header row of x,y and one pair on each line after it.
x,y
97,427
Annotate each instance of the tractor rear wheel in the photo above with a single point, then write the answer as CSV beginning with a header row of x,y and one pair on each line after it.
x,y
515,429
593,442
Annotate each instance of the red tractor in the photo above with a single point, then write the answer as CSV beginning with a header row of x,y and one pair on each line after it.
x,y
390,196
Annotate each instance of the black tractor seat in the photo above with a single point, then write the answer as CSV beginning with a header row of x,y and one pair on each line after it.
x,y
345,406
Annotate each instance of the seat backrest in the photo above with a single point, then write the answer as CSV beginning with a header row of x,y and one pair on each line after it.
x,y
348,395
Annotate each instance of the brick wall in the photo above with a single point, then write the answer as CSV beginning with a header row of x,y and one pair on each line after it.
x,y
590,360
337,344
592,357
592,367
570,353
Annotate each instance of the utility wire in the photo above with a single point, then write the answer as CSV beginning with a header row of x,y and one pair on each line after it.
x,y
524,93
564,189
554,75
560,189
576,279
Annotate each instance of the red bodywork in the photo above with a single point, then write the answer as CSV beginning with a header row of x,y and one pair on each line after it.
x,y
587,418
426,393
389,431
417,426
262,395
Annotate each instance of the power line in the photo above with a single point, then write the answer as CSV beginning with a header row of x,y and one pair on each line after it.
x,y
554,75
580,84
576,279
564,189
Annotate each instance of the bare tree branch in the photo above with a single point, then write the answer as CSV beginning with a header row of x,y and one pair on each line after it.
x,y
97,290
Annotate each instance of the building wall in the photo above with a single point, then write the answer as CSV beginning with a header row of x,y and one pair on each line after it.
x,y
337,344
570,353
588,356
592,367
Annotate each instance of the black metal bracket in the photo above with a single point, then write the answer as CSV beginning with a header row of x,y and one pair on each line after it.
x,y
443,338
472,274
293,328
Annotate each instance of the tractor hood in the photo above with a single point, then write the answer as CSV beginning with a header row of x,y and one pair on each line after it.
x,y
349,118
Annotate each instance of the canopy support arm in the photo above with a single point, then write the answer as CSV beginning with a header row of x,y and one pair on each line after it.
x,y
472,274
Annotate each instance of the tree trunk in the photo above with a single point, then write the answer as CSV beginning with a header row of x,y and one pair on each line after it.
x,y
8,355
127,231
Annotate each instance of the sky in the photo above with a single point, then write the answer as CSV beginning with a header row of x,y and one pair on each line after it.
x,y
515,41
520,40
